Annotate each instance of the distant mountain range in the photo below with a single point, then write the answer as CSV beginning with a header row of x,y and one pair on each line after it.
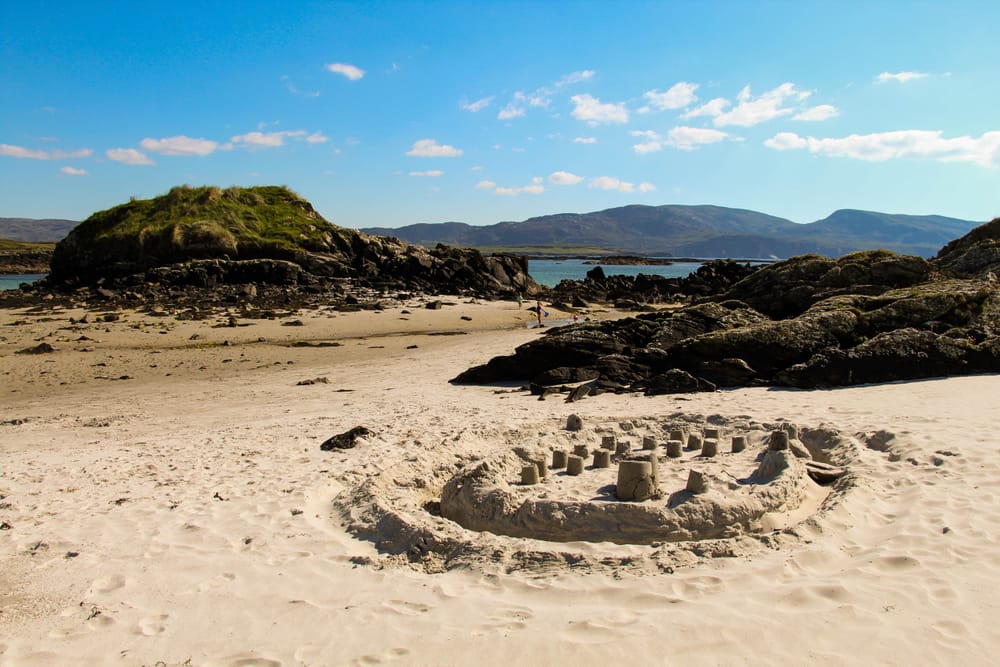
x,y
699,231
667,231
31,230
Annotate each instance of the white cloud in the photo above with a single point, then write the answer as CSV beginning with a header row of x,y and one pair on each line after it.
x,y
821,112
680,95
688,138
266,139
476,106
179,145
752,110
541,97
512,110
476,167
713,108
31,154
71,171
564,178
431,148
534,188
485,185
575,77
611,183
681,137
877,147
901,77
432,173
585,140
128,156
594,112
317,138
350,71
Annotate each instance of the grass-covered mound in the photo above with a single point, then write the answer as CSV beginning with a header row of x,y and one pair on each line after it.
x,y
197,223
208,236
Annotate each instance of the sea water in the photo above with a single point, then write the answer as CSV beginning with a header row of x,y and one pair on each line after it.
x,y
549,272
14,280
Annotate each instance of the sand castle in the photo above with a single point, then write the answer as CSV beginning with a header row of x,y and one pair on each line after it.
x,y
599,484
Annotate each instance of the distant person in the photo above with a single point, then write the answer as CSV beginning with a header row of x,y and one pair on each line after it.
x,y
520,300
538,312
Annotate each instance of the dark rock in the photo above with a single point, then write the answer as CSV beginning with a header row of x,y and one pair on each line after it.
x,y
676,381
346,440
41,348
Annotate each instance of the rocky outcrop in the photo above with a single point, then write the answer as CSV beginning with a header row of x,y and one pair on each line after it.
x,y
710,278
17,260
810,321
207,237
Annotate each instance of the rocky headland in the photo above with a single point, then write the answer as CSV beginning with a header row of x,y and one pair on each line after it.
x,y
260,248
17,257
810,321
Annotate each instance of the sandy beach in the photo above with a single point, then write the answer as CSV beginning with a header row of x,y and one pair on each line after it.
x,y
165,502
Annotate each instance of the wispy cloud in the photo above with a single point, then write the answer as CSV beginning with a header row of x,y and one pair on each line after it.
x,y
477,106
317,138
594,112
901,77
750,110
433,173
32,154
512,110
350,71
521,101
431,148
611,183
682,137
585,140
534,188
128,156
564,178
179,145
254,140
881,146
72,171
817,113
680,95
294,90
485,185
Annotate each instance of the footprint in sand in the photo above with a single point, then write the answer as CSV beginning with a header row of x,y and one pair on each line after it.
x,y
385,656
514,618
244,661
153,625
218,581
106,584
405,608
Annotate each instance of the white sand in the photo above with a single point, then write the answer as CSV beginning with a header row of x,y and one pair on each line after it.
x,y
202,511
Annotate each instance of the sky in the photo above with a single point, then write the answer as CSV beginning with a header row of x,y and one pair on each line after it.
x,y
384,114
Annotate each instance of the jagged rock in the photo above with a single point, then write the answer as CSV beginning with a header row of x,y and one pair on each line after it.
x,y
810,321
41,348
346,440
676,381
788,288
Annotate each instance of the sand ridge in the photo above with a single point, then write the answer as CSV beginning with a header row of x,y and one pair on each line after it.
x,y
193,518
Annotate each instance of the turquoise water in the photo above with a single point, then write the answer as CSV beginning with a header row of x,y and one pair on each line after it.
x,y
13,281
546,272
549,272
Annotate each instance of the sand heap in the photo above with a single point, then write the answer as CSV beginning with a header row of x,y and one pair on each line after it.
x,y
641,493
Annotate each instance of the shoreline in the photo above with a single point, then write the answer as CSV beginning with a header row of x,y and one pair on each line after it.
x,y
202,500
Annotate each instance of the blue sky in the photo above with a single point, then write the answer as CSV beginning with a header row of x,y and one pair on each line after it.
x,y
393,113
